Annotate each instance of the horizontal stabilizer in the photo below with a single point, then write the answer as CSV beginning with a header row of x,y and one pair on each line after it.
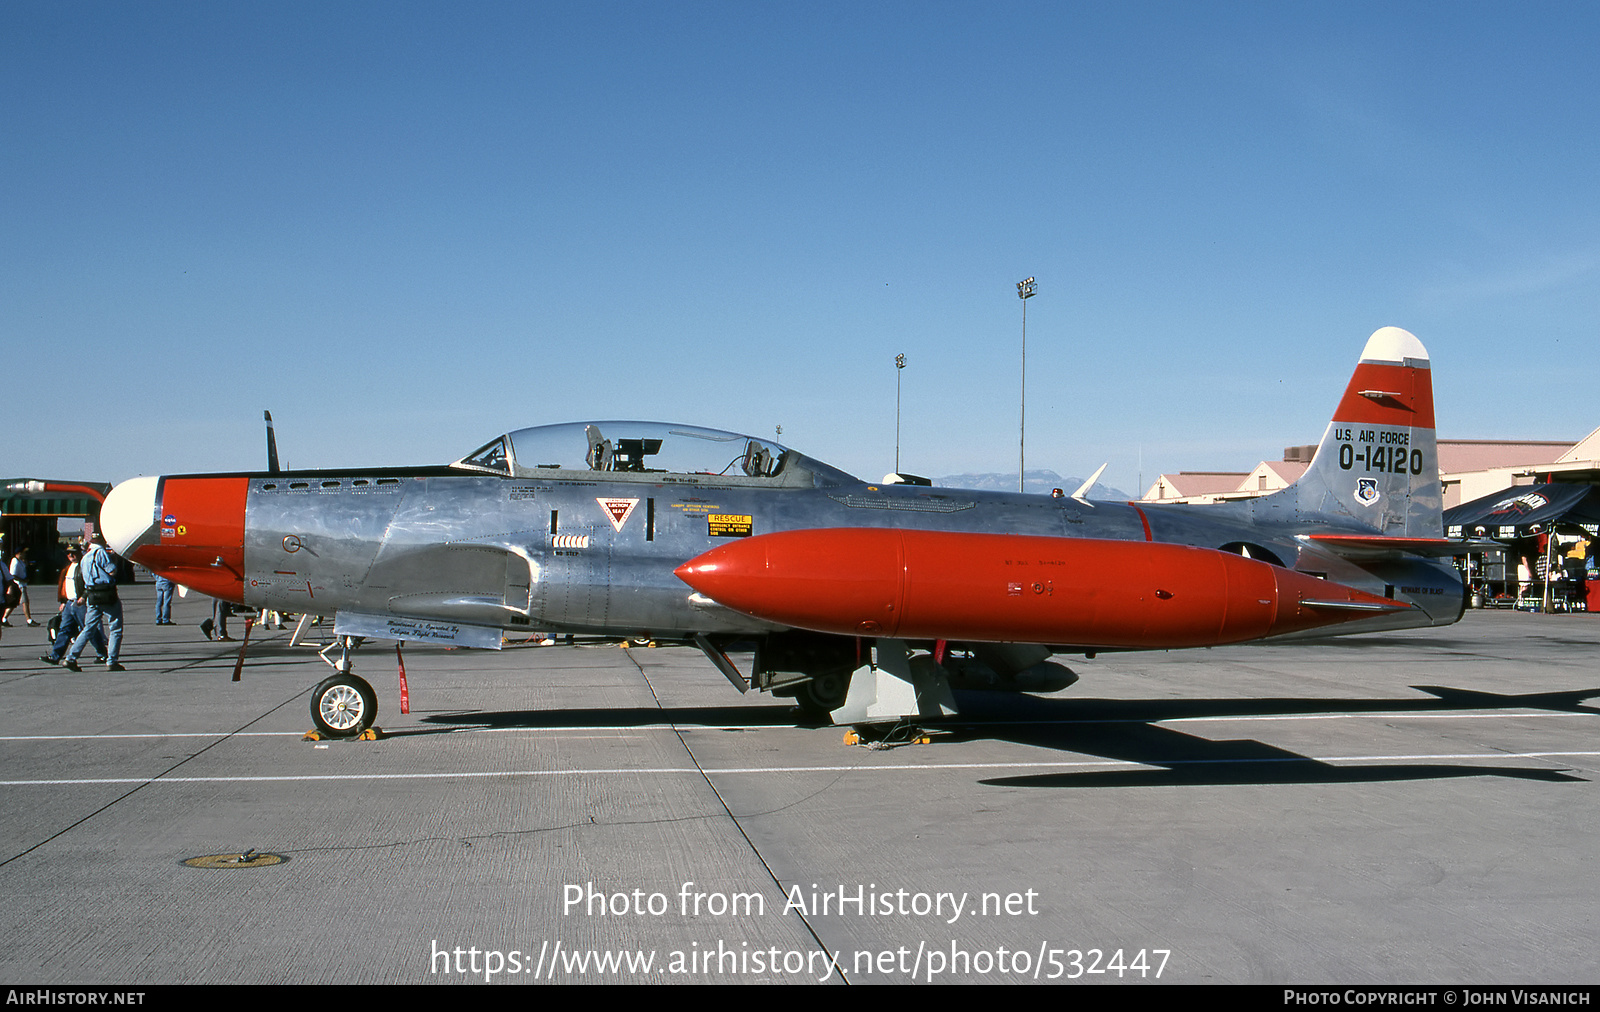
x,y
1376,546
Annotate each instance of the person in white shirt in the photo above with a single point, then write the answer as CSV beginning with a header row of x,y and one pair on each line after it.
x,y
19,575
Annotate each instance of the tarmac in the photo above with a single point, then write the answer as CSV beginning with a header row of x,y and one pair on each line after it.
x,y
1410,808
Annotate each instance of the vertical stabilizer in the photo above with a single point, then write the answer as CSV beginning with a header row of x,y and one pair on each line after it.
x,y
1378,463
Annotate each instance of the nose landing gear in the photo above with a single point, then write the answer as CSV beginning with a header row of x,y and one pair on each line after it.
x,y
343,705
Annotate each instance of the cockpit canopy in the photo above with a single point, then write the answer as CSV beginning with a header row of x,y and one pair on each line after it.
x,y
651,451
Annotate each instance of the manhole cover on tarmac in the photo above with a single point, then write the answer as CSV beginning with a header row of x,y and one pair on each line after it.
x,y
249,859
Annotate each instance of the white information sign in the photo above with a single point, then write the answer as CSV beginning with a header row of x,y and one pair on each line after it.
x,y
416,630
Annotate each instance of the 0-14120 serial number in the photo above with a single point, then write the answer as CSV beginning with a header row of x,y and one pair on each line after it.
x,y
1386,459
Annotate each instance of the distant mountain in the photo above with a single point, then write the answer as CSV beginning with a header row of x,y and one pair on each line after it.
x,y
1035,482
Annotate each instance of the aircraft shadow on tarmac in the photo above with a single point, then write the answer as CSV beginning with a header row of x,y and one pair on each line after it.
x,y
1128,731
1120,730
1439,643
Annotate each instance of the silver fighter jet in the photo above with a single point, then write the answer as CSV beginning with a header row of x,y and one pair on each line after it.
x,y
863,601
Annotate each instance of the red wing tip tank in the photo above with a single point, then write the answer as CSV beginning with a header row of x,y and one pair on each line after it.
x,y
913,584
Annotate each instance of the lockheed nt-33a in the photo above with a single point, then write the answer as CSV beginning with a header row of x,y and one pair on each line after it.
x,y
863,600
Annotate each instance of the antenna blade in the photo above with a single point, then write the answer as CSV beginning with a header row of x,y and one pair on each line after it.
x,y
272,445
1083,490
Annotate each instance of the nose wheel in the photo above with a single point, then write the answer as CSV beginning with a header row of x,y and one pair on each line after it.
x,y
343,705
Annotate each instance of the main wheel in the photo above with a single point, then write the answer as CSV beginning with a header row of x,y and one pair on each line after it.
x,y
342,706
823,694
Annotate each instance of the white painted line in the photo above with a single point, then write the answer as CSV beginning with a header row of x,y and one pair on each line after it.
x,y
401,731
732,770
1374,715
165,734
1385,715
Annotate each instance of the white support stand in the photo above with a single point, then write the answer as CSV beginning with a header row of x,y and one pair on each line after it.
x,y
896,686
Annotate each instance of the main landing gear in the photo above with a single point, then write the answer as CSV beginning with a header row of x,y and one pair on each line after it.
x,y
823,694
343,705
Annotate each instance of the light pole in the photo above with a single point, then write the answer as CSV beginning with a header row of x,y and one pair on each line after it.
x,y
1024,292
899,364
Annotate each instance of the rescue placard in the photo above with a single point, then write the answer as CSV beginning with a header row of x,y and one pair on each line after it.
x,y
728,525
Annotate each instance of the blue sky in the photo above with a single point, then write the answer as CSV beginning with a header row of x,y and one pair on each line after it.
x,y
405,228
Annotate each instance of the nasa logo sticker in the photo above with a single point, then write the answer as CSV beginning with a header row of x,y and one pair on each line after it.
x,y
1367,491
169,520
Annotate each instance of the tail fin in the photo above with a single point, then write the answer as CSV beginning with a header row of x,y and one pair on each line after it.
x,y
1378,463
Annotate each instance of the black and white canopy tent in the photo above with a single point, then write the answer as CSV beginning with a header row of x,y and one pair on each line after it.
x,y
1514,512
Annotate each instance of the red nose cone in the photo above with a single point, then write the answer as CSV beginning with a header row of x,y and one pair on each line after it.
x,y
1004,588
201,535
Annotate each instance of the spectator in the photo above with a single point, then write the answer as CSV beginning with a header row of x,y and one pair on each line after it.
x,y
70,592
99,571
19,576
163,601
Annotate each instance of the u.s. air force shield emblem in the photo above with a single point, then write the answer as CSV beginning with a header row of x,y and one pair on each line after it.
x,y
1366,491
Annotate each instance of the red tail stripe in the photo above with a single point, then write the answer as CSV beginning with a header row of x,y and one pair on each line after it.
x,y
1381,394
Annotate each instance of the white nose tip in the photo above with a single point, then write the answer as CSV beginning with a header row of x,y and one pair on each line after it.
x,y
128,512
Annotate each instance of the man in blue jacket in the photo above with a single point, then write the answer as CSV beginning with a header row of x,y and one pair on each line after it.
x,y
71,592
99,570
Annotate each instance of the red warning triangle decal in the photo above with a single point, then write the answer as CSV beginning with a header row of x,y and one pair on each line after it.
x,y
618,510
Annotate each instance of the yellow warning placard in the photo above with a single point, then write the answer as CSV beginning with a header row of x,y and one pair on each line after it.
x,y
728,525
